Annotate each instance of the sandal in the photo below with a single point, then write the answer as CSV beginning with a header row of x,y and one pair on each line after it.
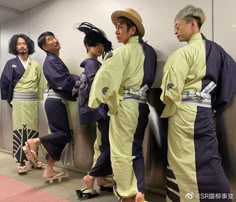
x,y
39,165
22,169
107,187
58,177
30,154
86,193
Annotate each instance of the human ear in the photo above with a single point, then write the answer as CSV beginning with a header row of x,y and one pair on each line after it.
x,y
44,47
133,30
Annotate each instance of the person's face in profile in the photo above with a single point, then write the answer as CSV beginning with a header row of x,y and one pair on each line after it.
x,y
95,51
183,29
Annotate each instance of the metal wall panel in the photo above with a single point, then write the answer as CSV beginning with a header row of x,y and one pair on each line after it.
x,y
225,19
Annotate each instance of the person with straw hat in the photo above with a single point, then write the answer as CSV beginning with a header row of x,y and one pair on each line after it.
x,y
122,83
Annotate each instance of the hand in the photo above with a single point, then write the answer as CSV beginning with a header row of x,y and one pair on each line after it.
x,y
108,55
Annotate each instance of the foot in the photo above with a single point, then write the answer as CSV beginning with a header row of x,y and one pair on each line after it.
x,y
104,184
89,181
57,177
48,174
22,163
32,144
38,165
131,199
30,154
101,181
140,197
22,169
86,193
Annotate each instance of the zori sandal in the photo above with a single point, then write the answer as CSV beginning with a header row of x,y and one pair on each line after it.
x,y
107,187
30,154
22,169
86,193
39,165
58,177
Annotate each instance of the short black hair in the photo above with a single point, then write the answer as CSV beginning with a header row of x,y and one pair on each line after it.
x,y
13,42
93,38
129,23
42,37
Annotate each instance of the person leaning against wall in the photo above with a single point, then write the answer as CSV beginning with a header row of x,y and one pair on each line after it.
x,y
60,84
22,87
122,83
198,80
96,44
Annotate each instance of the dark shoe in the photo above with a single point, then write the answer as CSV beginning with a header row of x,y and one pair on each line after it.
x,y
86,193
107,187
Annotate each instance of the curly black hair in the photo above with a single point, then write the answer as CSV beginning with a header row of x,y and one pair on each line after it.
x,y
13,42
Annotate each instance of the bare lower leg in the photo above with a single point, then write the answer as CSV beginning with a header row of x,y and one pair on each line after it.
x,y
22,163
49,172
89,181
34,143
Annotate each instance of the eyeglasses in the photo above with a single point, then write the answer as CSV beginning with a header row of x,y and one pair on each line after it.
x,y
176,28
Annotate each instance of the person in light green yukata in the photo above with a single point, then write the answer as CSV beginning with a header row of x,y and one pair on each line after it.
x,y
22,86
194,85
121,83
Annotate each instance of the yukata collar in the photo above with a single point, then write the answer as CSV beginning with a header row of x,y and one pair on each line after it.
x,y
195,37
133,39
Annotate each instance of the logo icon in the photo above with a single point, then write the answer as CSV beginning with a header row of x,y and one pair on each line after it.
x,y
189,195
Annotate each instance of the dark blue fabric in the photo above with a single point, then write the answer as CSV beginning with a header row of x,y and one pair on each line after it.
x,y
59,77
221,68
209,170
12,72
150,63
102,167
59,125
137,150
87,114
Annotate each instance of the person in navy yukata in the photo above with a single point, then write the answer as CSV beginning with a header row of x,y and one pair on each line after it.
x,y
96,44
198,80
60,85
22,87
122,83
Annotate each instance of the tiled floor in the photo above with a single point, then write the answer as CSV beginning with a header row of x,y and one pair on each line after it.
x,y
65,189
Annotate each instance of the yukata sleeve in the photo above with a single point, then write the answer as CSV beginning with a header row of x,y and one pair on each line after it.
x,y
91,70
59,77
226,85
174,75
6,82
106,85
42,84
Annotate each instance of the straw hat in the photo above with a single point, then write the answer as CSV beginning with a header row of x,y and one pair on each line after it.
x,y
132,15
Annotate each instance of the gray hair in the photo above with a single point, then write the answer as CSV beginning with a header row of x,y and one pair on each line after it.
x,y
191,12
